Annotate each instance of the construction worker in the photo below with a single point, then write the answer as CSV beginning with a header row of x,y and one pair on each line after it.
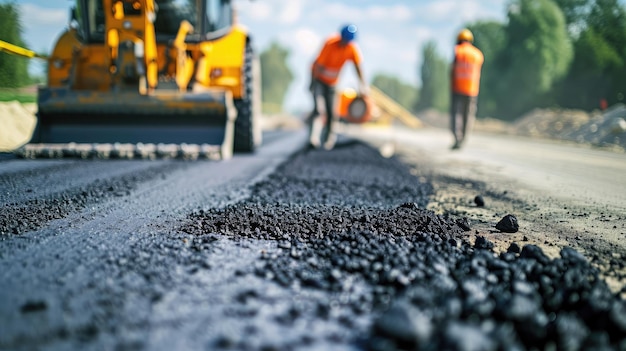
x,y
337,49
465,81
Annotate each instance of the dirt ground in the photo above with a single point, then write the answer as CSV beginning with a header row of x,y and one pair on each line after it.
x,y
548,223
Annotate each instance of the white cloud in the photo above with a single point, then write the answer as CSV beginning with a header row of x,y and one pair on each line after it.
x,y
397,13
273,11
291,12
408,54
441,10
458,12
343,13
307,41
422,34
36,15
473,10
334,11
256,11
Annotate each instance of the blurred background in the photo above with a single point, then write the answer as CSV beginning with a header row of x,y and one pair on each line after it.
x,y
567,54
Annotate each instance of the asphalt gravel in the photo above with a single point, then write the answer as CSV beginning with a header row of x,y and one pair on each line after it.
x,y
352,224
333,250
29,206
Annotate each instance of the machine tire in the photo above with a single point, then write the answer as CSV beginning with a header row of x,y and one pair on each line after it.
x,y
246,120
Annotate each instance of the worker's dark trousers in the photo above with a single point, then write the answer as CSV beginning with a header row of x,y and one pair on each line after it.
x,y
462,115
326,92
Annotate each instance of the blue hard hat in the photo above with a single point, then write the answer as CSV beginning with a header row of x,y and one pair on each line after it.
x,y
348,33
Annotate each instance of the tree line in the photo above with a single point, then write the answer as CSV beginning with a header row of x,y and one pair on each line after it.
x,y
13,69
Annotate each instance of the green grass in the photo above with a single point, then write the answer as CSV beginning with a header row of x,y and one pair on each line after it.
x,y
10,95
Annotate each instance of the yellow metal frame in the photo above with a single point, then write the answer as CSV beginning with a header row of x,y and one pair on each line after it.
x,y
215,63
221,61
138,30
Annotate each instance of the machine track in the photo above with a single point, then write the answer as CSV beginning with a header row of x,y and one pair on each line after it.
x,y
245,123
121,151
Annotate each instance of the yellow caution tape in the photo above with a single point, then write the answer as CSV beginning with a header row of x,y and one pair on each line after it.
x,y
20,51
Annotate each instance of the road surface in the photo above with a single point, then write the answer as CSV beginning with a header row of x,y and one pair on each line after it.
x,y
301,249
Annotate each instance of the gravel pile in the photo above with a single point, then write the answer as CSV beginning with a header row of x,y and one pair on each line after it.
x,y
352,225
605,129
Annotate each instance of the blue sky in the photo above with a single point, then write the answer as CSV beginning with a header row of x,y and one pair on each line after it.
x,y
391,33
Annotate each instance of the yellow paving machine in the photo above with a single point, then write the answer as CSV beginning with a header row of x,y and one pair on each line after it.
x,y
152,72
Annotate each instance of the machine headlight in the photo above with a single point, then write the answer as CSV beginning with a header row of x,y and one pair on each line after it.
x,y
127,25
216,72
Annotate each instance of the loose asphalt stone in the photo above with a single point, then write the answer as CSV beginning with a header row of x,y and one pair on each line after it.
x,y
479,201
363,237
508,224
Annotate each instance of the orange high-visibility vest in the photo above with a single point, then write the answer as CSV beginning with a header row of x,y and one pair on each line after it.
x,y
328,63
468,61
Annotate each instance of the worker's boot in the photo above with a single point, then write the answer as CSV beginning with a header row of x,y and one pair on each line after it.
x,y
315,132
329,144
314,143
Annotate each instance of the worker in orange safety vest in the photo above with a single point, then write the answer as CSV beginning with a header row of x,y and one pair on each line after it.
x,y
325,70
465,81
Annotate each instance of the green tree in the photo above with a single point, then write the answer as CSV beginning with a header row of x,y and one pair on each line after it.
x,y
435,90
403,93
575,12
589,79
608,18
599,65
13,69
538,53
490,38
276,77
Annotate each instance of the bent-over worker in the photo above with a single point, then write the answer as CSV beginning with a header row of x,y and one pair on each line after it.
x,y
465,81
325,70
